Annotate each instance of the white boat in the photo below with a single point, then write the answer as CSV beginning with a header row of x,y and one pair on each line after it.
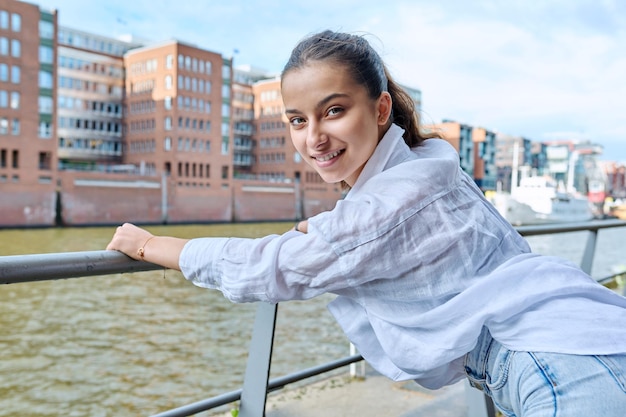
x,y
538,200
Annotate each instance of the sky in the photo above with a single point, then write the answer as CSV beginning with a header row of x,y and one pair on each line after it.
x,y
545,70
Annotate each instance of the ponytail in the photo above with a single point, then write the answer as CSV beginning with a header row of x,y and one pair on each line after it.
x,y
405,115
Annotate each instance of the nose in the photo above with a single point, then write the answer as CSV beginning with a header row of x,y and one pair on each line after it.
x,y
316,138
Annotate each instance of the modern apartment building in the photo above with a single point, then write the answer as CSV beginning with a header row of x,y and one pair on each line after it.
x,y
27,111
90,100
244,133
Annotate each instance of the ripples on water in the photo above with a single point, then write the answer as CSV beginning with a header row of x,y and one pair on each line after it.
x,y
137,344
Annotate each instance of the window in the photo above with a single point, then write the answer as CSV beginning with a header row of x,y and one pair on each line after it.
x,y
225,91
46,30
207,87
4,126
46,54
169,61
168,123
15,127
4,99
45,160
16,48
167,103
4,72
225,110
226,72
15,100
207,67
15,74
45,104
167,144
16,22
168,82
4,46
4,19
45,130
45,79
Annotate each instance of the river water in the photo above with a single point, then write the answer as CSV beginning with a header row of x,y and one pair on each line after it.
x,y
137,344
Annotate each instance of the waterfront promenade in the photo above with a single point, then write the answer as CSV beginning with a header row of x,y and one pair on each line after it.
x,y
372,396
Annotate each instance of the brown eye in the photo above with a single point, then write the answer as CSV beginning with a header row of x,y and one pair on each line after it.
x,y
333,111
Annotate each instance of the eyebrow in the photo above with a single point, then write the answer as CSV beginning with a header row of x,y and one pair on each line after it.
x,y
320,104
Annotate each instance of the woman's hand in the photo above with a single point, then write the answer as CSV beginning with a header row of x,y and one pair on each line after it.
x,y
142,245
129,239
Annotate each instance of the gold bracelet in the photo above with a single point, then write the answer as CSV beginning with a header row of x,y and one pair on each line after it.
x,y
141,251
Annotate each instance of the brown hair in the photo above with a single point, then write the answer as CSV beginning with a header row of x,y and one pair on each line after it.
x,y
367,69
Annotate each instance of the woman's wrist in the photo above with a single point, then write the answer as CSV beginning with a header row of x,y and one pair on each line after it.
x,y
141,252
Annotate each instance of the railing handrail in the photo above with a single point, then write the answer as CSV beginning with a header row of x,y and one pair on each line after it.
x,y
592,226
50,266
40,267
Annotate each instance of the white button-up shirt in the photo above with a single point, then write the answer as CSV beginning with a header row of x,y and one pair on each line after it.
x,y
420,262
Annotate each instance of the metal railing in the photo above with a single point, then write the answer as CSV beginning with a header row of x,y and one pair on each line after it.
x,y
256,386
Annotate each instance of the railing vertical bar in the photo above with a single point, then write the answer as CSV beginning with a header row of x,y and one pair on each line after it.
x,y
586,264
478,403
256,377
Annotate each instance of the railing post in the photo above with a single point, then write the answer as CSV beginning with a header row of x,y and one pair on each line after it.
x,y
255,382
478,404
586,263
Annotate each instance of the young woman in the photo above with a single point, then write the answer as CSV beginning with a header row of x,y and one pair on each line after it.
x,y
432,284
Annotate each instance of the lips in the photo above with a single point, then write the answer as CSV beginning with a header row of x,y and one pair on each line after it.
x,y
328,156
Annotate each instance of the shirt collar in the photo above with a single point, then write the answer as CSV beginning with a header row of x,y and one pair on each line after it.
x,y
392,144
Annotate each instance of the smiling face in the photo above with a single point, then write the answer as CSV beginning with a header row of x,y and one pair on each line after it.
x,y
334,124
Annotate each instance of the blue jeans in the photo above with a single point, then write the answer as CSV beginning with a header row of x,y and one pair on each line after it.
x,y
538,384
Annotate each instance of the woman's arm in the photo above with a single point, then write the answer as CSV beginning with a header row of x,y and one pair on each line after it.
x,y
142,245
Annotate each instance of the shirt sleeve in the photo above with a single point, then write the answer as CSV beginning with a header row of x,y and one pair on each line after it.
x,y
274,268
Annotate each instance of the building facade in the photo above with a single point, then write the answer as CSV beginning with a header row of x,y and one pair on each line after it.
x,y
90,100
28,151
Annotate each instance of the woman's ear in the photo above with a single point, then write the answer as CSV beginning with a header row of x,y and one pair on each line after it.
x,y
384,108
